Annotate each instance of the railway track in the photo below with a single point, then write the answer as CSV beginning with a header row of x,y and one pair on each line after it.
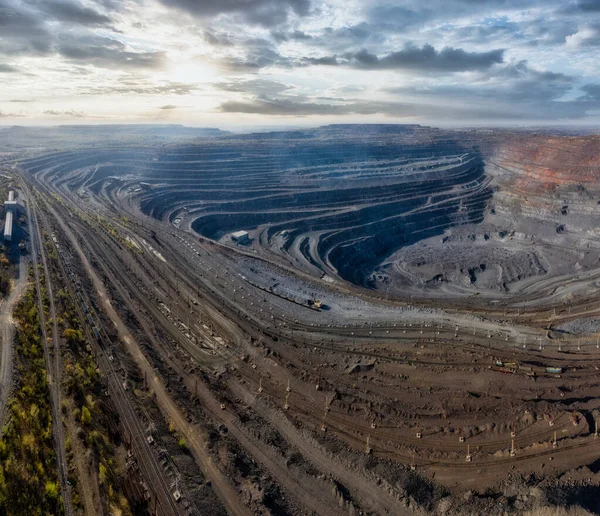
x,y
214,292
496,342
219,416
297,401
493,446
53,366
137,434
456,309
341,428
519,439
220,484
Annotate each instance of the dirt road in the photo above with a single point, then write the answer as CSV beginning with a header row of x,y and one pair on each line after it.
x,y
7,331
195,442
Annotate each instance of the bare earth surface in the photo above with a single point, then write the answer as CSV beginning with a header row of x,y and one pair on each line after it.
x,y
407,325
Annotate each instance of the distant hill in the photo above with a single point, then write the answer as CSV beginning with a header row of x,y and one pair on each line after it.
x,y
69,136
167,130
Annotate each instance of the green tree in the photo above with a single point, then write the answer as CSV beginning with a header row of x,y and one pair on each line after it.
x,y
51,491
86,416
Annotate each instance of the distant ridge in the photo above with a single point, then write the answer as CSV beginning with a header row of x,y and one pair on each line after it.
x,y
66,136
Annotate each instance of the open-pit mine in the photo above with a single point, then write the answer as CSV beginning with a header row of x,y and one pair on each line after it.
x,y
352,319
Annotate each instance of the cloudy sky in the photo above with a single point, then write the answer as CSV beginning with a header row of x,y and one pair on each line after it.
x,y
230,63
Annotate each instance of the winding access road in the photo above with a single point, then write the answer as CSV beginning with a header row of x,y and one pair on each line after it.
x,y
7,329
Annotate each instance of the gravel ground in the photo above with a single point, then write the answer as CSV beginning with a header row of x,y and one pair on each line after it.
x,y
580,326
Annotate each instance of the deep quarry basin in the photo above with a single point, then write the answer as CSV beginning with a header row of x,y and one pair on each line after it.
x,y
401,209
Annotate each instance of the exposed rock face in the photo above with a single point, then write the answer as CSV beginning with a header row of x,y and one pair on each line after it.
x,y
337,201
399,208
545,163
542,223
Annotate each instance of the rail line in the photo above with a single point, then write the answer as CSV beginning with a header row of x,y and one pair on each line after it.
x,y
106,248
298,401
138,437
221,486
52,367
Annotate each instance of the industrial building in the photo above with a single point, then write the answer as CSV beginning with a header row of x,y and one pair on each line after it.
x,y
240,237
10,207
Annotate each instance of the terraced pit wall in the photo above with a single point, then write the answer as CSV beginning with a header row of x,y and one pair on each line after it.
x,y
337,200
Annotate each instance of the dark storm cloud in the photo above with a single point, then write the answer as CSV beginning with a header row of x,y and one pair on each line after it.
x,y
581,6
70,11
295,35
512,91
45,27
326,60
106,52
261,54
351,37
298,35
455,111
22,31
508,23
479,34
592,93
217,40
428,58
4,68
268,13
416,13
256,87
255,59
112,5
399,16
452,41
303,107
515,83
411,57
